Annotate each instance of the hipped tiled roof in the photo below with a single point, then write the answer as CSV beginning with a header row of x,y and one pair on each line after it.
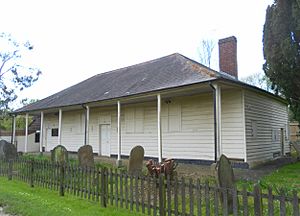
x,y
167,72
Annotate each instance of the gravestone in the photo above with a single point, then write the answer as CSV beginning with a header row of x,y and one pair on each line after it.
x,y
226,180
136,159
7,150
86,156
59,154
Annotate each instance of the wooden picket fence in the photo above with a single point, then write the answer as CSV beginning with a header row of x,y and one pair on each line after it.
x,y
151,196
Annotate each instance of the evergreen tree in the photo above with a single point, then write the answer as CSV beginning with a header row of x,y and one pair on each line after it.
x,y
282,50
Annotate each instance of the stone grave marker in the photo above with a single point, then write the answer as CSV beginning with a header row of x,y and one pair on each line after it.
x,y
7,150
226,180
59,154
136,159
86,156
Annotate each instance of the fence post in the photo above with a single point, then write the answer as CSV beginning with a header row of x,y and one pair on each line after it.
x,y
103,187
31,173
257,200
10,168
162,195
62,179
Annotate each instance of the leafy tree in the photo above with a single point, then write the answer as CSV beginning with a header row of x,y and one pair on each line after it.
x,y
259,80
6,119
282,50
15,75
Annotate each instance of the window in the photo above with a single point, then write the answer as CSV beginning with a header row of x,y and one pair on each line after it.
x,y
37,137
275,135
171,117
253,129
54,132
134,120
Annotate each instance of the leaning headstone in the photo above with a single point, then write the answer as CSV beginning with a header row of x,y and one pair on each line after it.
x,y
7,150
136,159
59,154
86,156
226,180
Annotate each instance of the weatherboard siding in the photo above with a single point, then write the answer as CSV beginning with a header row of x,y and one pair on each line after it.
x,y
232,132
187,127
264,117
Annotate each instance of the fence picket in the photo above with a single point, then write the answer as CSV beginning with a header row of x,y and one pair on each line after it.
x,y
116,187
136,182
282,203
176,196
257,200
191,196
207,200
245,200
295,204
121,189
216,199
131,193
270,202
183,207
143,194
152,195
169,194
126,190
198,197
148,195
155,196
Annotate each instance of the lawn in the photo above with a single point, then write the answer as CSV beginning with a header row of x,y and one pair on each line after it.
x,y
286,178
22,200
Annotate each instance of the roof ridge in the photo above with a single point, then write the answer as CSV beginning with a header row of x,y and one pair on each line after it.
x,y
138,64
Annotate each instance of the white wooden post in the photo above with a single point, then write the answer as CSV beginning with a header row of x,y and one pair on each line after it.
x,y
218,119
41,131
59,126
159,138
87,125
14,130
119,162
26,133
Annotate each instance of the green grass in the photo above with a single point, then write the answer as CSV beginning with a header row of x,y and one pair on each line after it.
x,y
22,200
285,179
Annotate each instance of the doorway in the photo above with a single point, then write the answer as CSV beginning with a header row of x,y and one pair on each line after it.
x,y
282,141
104,139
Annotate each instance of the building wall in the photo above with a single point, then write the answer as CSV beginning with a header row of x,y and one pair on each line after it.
x,y
233,142
294,132
187,127
264,119
32,146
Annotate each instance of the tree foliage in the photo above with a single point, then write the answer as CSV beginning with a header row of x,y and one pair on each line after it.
x,y
6,119
259,80
15,75
282,50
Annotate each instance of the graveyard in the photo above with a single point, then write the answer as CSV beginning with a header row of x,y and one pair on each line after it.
x,y
147,187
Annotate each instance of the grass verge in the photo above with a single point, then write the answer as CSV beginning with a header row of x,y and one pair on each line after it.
x,y
20,199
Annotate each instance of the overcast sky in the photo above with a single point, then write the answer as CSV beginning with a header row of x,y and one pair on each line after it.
x,y
74,40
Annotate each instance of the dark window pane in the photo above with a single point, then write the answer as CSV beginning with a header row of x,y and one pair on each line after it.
x,y
54,132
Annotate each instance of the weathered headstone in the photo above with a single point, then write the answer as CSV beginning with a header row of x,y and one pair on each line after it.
x,y
86,156
226,180
7,150
136,159
59,154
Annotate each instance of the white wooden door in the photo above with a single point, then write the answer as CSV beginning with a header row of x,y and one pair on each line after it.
x,y
104,132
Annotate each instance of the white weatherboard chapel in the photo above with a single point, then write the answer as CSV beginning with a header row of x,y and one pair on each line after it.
x,y
172,106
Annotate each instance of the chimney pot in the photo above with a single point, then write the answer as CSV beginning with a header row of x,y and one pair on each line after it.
x,y
228,56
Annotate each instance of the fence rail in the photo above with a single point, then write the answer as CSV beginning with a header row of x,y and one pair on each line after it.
x,y
151,196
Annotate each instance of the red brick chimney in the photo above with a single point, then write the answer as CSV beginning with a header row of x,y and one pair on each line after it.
x,y
228,56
